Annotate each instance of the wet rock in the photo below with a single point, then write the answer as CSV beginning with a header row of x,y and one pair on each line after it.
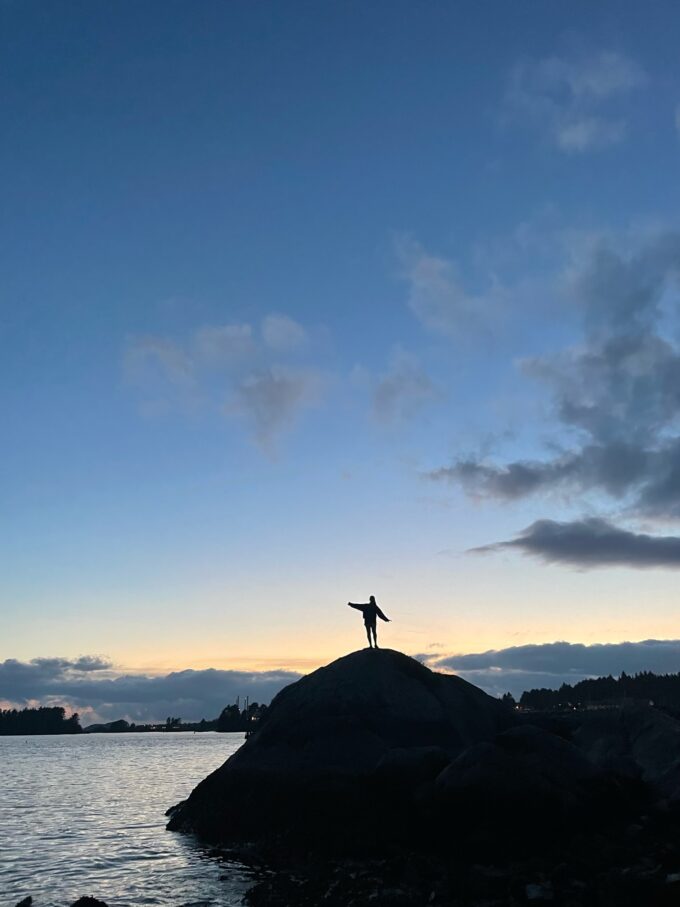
x,y
88,902
26,902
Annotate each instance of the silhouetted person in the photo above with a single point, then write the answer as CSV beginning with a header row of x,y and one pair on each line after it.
x,y
370,611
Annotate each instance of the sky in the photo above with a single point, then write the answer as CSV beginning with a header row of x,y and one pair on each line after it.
x,y
305,302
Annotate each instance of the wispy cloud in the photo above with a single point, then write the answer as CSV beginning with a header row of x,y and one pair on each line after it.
x,y
224,345
403,390
615,395
264,374
573,100
162,373
270,400
282,334
436,295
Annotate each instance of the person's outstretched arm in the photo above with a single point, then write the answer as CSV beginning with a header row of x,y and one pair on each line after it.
x,y
381,615
358,607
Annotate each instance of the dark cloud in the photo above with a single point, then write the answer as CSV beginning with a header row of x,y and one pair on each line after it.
x,y
516,480
618,393
592,542
520,668
90,663
88,684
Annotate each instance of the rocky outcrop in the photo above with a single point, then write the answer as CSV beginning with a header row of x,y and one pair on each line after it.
x,y
520,768
376,779
636,739
528,787
348,751
375,750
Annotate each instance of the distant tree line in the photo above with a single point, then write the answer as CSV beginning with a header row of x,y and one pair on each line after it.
x,y
42,720
231,718
661,689
53,720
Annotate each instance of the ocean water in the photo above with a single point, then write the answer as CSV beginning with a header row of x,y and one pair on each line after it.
x,y
84,815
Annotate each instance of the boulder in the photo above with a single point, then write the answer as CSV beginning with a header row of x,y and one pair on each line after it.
x,y
521,769
634,739
339,753
411,765
527,788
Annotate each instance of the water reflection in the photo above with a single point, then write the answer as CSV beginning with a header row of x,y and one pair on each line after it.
x,y
84,815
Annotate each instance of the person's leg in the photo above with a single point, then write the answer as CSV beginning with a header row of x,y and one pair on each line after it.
x,y
375,636
368,633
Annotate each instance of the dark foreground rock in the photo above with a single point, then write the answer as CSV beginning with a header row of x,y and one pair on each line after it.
x,y
376,781
416,880
348,752
375,750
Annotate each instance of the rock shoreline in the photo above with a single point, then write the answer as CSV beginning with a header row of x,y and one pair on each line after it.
x,y
85,901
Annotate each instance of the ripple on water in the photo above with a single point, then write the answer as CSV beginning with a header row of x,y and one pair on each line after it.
x,y
85,815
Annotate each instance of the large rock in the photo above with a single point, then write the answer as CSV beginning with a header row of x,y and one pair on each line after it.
x,y
526,786
344,753
636,736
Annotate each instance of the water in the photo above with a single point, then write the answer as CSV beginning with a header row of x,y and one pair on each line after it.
x,y
84,815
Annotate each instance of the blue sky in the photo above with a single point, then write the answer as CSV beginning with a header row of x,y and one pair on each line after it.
x,y
300,302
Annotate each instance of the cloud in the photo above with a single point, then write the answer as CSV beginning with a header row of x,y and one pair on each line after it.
x,y
592,542
614,468
574,101
85,663
436,296
585,133
282,333
162,373
157,353
90,685
271,400
230,369
403,391
520,668
223,345
615,395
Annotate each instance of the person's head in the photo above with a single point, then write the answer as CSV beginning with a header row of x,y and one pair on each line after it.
x,y
371,599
